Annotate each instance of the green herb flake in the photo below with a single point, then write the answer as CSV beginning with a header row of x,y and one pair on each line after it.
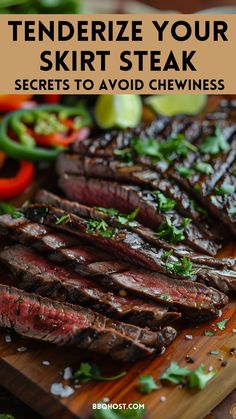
x,y
214,352
222,324
199,379
169,232
196,378
9,209
204,168
164,297
147,384
225,189
164,204
181,267
174,373
208,333
125,155
109,413
185,171
88,372
63,220
214,144
6,416
100,227
232,211
108,211
126,219
176,146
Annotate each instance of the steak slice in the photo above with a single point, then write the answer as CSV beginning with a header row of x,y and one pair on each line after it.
x,y
223,279
46,197
43,319
128,245
214,299
195,300
35,274
127,198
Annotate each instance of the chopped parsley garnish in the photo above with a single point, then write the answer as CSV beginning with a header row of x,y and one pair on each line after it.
x,y
182,267
176,146
167,150
222,324
48,124
232,211
125,155
148,147
6,416
9,209
88,372
225,189
204,168
199,379
214,144
208,333
164,297
166,255
147,384
100,227
108,413
63,219
123,219
170,232
185,171
126,219
164,204
196,378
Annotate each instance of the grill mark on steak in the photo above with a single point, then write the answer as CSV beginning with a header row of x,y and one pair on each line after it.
x,y
111,169
152,285
34,274
41,318
126,198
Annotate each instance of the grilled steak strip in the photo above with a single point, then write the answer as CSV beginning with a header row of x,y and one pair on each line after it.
x,y
48,215
127,198
52,242
193,299
46,197
128,245
110,169
43,319
34,274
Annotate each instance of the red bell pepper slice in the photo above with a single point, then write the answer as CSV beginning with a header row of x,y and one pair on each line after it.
x,y
12,187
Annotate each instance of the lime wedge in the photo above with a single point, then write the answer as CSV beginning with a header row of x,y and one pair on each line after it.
x,y
120,111
170,105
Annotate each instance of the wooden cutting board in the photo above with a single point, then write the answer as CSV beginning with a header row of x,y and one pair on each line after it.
x,y
23,373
